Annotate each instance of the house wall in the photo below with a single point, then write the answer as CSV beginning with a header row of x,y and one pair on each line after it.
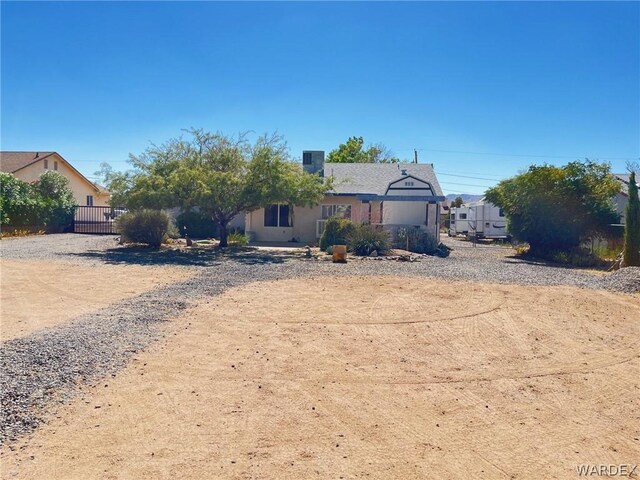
x,y
254,226
304,221
404,213
80,187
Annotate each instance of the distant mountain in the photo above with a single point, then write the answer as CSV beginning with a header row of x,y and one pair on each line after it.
x,y
466,197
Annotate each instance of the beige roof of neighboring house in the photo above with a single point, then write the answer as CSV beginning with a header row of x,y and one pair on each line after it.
x,y
11,162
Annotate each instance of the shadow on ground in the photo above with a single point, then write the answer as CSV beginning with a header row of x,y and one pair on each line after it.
x,y
203,257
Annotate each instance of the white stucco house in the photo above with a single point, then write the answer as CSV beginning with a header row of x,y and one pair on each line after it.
x,y
390,195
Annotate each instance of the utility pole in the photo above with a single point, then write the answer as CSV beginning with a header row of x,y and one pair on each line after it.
x,y
415,156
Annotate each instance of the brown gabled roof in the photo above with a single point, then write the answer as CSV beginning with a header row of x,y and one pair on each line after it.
x,y
11,162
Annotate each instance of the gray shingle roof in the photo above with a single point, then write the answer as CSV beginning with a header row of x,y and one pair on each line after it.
x,y
373,178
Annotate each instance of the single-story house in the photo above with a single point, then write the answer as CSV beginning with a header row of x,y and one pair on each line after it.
x,y
28,166
389,195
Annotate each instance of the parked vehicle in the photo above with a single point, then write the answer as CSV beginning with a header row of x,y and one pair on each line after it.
x,y
479,220
459,221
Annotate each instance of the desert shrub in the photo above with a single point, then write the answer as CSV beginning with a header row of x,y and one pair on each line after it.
x,y
575,257
416,240
196,224
144,226
336,232
236,237
366,238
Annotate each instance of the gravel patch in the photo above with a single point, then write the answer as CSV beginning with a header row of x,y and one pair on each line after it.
x,y
59,246
47,368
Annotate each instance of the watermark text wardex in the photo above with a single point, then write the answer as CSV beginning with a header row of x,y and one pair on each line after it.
x,y
607,470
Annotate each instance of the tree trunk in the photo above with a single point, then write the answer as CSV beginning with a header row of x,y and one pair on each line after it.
x,y
224,233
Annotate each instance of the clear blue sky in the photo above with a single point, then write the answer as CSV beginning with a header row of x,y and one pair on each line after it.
x,y
95,81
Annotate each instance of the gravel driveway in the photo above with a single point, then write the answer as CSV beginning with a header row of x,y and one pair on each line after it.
x,y
47,368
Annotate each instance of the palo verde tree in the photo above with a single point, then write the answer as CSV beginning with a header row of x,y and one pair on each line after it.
x,y
221,175
631,255
557,208
353,151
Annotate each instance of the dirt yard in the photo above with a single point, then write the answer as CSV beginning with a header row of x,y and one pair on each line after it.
x,y
35,294
376,377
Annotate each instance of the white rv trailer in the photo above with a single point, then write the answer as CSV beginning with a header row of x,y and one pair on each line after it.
x,y
486,221
478,220
459,221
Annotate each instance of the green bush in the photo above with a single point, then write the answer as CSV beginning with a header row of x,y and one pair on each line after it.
x,y
366,238
144,226
237,238
196,225
416,240
336,232
47,202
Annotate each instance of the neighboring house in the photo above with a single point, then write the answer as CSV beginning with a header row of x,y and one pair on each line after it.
x,y
28,166
622,197
390,195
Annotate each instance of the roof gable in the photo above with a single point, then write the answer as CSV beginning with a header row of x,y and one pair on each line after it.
x,y
11,162
417,185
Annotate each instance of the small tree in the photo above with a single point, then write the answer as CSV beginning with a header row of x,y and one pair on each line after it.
x,y
457,202
353,151
56,199
631,253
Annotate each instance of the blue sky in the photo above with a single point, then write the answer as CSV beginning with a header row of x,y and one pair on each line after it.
x,y
501,82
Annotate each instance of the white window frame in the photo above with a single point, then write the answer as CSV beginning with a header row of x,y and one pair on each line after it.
x,y
328,210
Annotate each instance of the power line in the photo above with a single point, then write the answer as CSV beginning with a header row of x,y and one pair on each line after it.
x,y
466,176
466,184
572,157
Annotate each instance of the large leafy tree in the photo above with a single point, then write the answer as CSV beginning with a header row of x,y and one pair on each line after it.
x,y
556,208
220,175
631,253
353,151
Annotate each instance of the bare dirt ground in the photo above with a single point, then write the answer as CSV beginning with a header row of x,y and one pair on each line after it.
x,y
35,294
376,377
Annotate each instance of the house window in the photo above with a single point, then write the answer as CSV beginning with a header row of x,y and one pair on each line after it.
x,y
306,158
46,164
340,211
89,200
501,213
408,184
55,165
463,216
277,215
